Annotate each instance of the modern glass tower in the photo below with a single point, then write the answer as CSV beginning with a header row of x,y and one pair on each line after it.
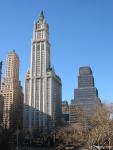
x,y
86,98
42,102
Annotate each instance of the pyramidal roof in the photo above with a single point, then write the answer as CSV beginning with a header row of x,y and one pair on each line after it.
x,y
41,17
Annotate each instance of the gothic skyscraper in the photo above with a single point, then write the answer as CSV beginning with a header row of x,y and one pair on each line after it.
x,y
42,102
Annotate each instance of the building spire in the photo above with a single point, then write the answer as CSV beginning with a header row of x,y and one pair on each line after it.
x,y
41,17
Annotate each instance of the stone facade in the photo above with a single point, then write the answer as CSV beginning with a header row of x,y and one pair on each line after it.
x,y
0,73
65,111
10,90
42,101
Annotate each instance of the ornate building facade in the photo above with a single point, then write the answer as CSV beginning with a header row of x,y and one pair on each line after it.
x,y
12,93
42,101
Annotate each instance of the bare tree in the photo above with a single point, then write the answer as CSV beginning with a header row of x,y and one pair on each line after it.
x,y
72,134
101,129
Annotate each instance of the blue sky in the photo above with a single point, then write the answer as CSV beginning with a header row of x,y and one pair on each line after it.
x,y
81,34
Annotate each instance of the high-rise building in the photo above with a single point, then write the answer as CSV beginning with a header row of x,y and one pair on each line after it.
x,y
86,98
0,72
1,98
10,90
65,111
42,102
1,109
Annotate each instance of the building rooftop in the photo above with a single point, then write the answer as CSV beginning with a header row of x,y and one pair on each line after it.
x,y
86,70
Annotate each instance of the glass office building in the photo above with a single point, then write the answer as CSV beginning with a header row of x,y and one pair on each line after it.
x,y
86,99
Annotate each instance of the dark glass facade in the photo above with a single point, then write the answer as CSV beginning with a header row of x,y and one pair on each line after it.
x,y
86,98
85,78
